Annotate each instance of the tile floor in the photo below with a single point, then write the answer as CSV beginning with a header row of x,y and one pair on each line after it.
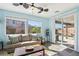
x,y
51,50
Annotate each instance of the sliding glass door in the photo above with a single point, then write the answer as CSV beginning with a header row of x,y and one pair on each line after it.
x,y
68,31
58,30
65,32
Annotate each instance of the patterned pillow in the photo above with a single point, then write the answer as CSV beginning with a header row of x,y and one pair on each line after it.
x,y
20,38
13,40
25,38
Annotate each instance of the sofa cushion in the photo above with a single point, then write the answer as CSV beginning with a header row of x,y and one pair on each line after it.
x,y
25,38
34,38
13,40
20,38
20,44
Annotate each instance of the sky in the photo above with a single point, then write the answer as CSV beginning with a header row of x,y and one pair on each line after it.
x,y
35,23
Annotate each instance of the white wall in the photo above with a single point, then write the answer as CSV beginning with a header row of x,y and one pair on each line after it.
x,y
77,32
52,30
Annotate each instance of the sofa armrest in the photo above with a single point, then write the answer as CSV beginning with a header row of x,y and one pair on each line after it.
x,y
9,42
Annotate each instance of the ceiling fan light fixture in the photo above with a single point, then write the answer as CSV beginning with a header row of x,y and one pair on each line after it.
x,y
21,3
16,4
25,5
40,11
46,10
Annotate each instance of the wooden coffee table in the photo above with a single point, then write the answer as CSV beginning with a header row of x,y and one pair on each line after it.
x,y
21,51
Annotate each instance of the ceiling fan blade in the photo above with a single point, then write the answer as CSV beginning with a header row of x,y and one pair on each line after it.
x,y
16,4
25,5
40,11
46,10
40,8
21,3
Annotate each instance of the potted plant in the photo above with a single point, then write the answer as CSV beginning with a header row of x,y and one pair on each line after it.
x,y
41,39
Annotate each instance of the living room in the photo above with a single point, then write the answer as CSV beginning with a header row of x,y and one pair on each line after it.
x,y
31,26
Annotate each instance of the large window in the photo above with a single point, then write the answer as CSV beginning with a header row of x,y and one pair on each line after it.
x,y
34,27
15,26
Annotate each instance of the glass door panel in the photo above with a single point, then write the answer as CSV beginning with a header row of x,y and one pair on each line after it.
x,y
58,30
68,31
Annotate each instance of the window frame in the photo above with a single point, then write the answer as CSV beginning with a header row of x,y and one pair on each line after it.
x,y
35,26
16,19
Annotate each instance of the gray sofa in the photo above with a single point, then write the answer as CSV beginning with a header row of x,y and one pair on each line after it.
x,y
19,41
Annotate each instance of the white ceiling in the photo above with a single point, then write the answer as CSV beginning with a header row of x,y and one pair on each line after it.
x,y
51,6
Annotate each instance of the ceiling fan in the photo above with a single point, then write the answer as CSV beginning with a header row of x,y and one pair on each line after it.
x,y
26,6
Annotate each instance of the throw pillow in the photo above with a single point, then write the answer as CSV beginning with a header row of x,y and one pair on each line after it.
x,y
20,38
25,38
13,39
